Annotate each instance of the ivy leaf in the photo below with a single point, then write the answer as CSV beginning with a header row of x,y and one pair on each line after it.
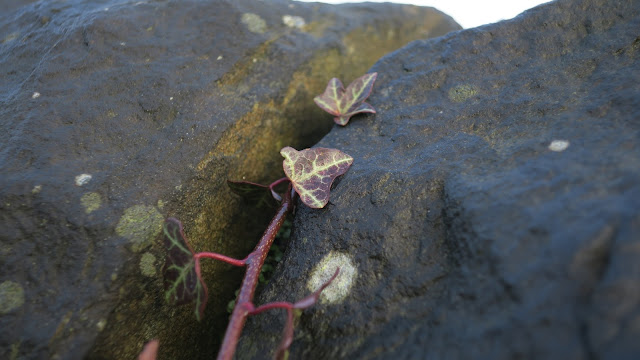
x,y
182,281
256,193
343,104
312,171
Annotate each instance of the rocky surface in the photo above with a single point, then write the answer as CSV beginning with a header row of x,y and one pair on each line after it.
x,y
116,114
493,207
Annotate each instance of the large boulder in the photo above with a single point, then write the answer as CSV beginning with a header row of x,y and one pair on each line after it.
x,y
493,207
116,114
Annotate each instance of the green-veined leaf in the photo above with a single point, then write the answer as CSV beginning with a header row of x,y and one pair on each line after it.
x,y
182,281
312,172
344,103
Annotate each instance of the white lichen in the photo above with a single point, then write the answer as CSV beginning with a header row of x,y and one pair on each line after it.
x,y
83,179
293,21
35,95
254,23
100,325
559,145
341,285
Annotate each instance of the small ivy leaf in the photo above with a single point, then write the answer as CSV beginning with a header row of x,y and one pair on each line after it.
x,y
312,172
256,193
182,281
343,104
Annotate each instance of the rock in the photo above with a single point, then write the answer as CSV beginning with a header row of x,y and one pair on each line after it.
x,y
493,207
117,114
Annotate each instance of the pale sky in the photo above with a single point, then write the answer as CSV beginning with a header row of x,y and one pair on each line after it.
x,y
468,13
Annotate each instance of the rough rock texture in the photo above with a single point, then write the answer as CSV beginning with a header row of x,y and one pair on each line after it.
x,y
116,114
493,207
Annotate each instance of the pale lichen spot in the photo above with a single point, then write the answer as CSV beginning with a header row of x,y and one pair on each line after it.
x,y
140,224
91,202
123,43
101,324
11,296
254,23
219,57
293,21
341,285
83,179
36,189
559,145
10,37
462,92
160,204
147,265
35,95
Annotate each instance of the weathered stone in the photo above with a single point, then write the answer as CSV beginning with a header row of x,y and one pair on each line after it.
x,y
493,206
116,114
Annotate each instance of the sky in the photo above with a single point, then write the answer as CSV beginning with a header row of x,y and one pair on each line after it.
x,y
468,13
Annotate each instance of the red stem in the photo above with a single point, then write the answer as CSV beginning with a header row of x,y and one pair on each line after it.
x,y
254,262
274,184
216,256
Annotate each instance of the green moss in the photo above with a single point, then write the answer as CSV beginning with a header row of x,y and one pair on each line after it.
x,y
140,224
462,92
91,202
11,296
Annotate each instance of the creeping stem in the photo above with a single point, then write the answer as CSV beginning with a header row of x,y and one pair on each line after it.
x,y
254,262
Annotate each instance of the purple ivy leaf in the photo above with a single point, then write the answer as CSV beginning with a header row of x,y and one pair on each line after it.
x,y
182,281
344,103
256,193
312,171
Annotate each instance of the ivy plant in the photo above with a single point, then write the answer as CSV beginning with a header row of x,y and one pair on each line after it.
x,y
309,174
344,103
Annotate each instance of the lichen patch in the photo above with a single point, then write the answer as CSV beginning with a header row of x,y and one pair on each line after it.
x,y
91,202
11,296
140,224
254,23
83,179
462,92
293,21
341,285
559,145
148,265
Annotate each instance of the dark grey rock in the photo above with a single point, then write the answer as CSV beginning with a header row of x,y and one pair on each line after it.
x,y
116,114
476,232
